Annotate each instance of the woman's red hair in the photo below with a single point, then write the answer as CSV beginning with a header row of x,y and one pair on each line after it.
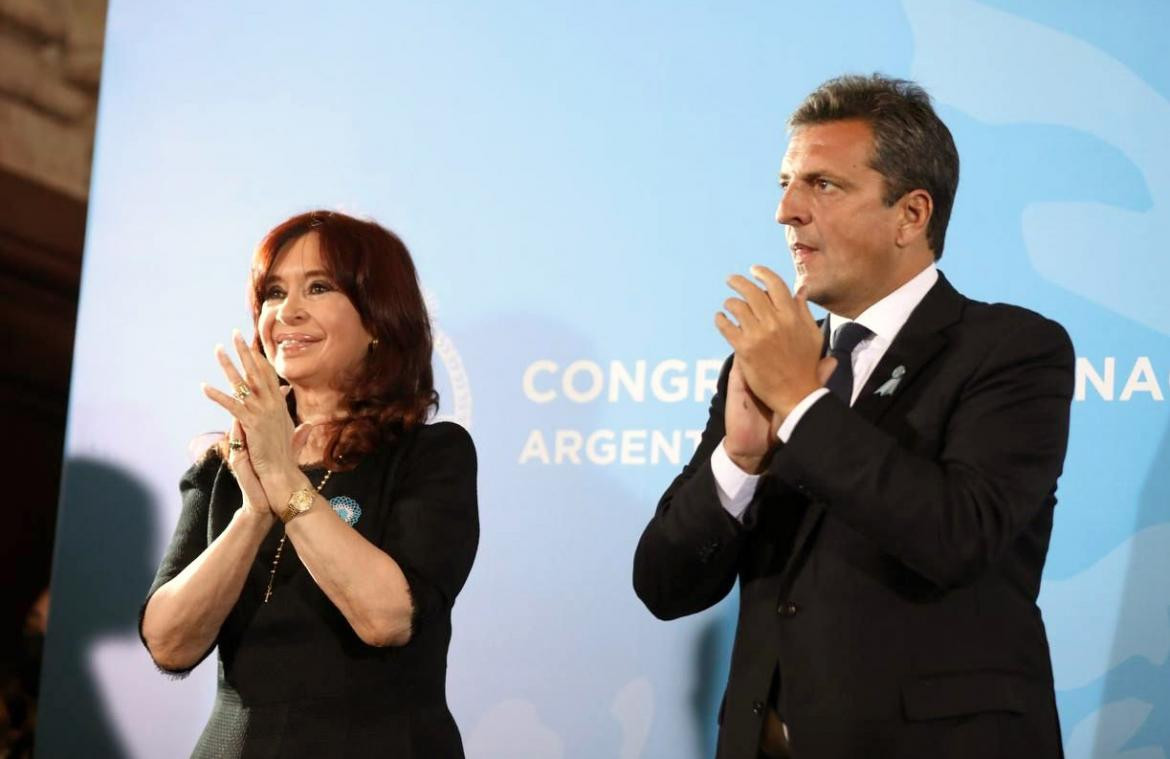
x,y
393,388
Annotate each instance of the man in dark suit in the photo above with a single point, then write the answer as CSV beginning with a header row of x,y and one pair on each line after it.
x,y
881,485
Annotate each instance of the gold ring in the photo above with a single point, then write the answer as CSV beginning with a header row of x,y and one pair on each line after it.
x,y
236,444
242,391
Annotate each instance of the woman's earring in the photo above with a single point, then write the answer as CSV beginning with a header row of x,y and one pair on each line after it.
x,y
373,344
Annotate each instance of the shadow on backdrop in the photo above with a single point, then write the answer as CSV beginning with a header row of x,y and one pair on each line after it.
x,y
712,662
101,570
571,526
1138,686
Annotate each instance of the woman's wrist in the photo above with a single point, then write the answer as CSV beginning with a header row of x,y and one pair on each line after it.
x,y
280,484
253,519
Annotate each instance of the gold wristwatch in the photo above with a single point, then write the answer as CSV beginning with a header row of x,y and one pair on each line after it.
x,y
298,503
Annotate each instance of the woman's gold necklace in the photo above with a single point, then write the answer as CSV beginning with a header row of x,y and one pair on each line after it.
x,y
280,546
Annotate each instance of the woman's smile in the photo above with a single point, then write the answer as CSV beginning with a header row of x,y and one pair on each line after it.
x,y
292,344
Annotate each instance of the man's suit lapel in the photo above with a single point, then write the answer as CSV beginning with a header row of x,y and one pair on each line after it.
x,y
917,343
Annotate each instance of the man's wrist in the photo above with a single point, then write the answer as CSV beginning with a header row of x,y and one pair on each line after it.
x,y
734,487
784,402
748,463
788,425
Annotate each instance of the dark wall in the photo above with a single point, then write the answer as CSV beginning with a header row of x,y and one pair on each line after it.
x,y
41,237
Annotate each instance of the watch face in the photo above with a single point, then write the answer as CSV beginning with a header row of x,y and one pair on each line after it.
x,y
301,500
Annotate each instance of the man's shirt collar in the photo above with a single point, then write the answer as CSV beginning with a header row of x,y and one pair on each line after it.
x,y
886,317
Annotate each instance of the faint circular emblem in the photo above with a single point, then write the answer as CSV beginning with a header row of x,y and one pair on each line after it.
x,y
451,382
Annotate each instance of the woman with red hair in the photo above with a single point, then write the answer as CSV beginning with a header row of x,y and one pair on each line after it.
x,y
322,544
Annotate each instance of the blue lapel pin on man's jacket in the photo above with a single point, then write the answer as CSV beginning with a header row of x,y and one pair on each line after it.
x,y
890,385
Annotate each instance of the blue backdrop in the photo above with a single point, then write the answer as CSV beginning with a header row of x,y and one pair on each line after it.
x,y
576,181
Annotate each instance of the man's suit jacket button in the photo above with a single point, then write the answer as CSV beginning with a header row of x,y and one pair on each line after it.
x,y
787,609
758,708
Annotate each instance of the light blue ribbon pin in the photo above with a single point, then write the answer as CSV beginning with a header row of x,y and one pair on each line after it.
x,y
890,385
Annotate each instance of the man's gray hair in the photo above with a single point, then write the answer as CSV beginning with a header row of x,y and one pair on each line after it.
x,y
913,149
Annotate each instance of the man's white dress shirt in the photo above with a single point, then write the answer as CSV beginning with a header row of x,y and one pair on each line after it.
x,y
884,319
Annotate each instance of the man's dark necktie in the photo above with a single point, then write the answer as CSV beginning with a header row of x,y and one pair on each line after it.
x,y
845,339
